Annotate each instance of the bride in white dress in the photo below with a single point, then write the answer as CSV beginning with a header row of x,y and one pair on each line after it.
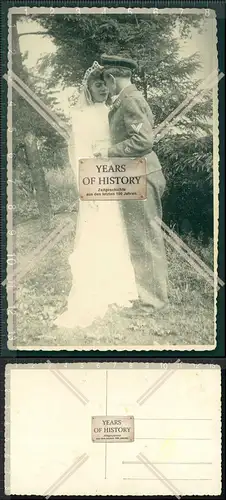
x,y
102,272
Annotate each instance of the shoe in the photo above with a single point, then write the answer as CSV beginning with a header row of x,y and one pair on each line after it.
x,y
137,310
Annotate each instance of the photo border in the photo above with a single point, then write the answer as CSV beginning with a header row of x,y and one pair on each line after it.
x,y
34,362
220,348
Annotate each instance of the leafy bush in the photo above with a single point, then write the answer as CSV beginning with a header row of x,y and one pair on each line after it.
x,y
188,200
165,78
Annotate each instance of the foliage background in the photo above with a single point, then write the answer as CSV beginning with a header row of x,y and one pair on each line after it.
x,y
166,80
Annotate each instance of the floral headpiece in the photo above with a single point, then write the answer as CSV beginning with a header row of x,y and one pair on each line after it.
x,y
88,72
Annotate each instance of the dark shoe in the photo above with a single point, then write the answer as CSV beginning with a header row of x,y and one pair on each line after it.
x,y
137,310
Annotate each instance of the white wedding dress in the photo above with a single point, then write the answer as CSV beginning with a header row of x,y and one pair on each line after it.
x,y
102,272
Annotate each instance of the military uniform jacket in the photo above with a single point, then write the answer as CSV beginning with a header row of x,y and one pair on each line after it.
x,y
131,128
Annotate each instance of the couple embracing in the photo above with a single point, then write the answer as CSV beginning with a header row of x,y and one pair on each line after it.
x,y
119,257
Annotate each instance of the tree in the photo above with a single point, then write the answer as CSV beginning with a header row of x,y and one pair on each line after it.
x,y
164,78
188,200
25,137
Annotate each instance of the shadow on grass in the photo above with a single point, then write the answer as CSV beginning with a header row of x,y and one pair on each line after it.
x,y
42,296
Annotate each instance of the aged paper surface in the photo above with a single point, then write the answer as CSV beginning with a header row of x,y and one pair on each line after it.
x,y
68,284
177,429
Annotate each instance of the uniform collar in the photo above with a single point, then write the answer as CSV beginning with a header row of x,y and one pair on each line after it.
x,y
124,92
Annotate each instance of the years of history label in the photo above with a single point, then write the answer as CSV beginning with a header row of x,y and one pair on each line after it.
x,y
115,179
113,429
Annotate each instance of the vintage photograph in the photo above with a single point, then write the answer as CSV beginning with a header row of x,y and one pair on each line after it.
x,y
112,179
163,437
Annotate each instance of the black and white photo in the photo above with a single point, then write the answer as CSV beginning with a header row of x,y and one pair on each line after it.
x,y
105,256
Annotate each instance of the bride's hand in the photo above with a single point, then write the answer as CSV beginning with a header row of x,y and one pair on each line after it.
x,y
101,153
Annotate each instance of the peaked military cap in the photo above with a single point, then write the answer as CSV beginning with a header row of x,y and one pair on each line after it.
x,y
110,60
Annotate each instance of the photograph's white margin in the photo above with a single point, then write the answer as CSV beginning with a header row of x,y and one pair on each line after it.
x,y
111,10
216,191
11,240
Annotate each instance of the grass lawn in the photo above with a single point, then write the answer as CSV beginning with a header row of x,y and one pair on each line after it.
x,y
42,295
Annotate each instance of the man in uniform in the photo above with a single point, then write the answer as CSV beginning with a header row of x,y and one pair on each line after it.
x,y
131,129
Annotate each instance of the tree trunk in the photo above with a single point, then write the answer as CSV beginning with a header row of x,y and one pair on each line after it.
x,y
145,87
144,82
38,180
30,144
